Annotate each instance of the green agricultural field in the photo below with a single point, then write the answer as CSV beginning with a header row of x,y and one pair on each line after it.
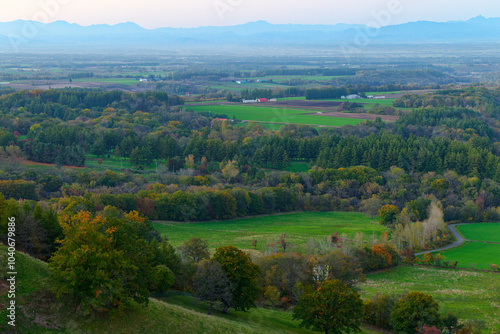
x,y
275,115
122,81
479,255
300,227
483,249
481,232
470,295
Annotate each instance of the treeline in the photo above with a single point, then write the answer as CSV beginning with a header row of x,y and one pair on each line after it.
x,y
54,103
49,153
310,72
480,99
451,118
418,154
197,74
327,93
423,78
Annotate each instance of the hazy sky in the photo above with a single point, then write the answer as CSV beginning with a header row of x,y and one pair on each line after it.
x,y
192,13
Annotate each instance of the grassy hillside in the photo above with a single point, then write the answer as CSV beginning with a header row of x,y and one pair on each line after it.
x,y
41,312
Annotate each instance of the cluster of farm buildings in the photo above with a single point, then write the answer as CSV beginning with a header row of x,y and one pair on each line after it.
x,y
260,100
356,96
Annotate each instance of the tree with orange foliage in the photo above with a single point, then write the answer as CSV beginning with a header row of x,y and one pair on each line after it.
x,y
379,250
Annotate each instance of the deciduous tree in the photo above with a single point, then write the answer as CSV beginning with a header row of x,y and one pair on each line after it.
x,y
243,275
331,307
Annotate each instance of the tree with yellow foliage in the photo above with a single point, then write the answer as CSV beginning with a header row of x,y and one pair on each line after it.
x,y
104,264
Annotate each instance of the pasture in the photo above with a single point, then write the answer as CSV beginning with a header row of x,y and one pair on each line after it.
x,y
478,255
299,227
470,295
275,115
481,231
481,251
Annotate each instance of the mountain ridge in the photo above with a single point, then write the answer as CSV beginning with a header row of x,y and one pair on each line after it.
x,y
22,34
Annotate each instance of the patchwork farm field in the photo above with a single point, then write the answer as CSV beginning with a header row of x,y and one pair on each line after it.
x,y
481,231
275,115
470,295
300,228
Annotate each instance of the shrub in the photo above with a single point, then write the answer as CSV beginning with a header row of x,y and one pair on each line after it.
x,y
428,258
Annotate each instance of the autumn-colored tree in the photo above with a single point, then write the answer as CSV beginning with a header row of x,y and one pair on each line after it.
x,y
388,214
379,250
103,264
413,311
242,273
331,307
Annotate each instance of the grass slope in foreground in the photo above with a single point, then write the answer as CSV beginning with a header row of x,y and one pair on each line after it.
x,y
299,227
41,312
470,295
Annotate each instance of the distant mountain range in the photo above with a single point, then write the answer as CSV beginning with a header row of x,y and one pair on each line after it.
x,y
29,35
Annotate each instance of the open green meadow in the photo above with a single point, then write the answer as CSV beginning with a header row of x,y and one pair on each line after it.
x,y
300,227
481,251
481,231
470,295
478,255
275,115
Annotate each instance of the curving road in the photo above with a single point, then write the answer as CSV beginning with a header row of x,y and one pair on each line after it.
x,y
457,235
